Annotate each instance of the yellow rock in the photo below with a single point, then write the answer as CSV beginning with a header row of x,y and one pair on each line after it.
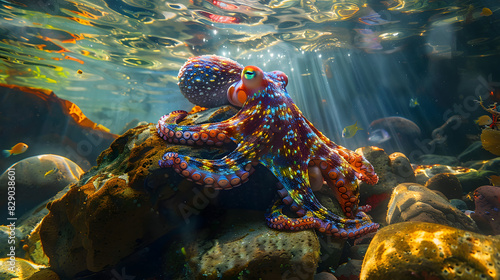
x,y
17,269
415,250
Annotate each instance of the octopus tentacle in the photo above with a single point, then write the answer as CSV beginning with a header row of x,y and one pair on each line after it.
x,y
288,200
225,173
209,134
342,182
339,227
365,170
316,216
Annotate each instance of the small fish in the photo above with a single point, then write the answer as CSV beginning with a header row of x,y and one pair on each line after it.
x,y
414,102
494,95
379,136
79,71
19,148
55,169
494,180
183,251
486,12
350,131
484,120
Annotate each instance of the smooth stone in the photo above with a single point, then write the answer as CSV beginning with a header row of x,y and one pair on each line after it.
x,y
325,276
446,183
392,170
474,179
459,204
430,159
32,186
349,270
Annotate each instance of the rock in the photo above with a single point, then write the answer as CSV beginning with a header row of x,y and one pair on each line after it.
x,y
10,233
475,152
324,276
469,178
110,215
473,164
416,250
487,213
44,274
17,269
49,125
247,247
459,204
431,159
414,202
474,179
446,183
491,165
32,185
349,270
392,170
401,167
358,252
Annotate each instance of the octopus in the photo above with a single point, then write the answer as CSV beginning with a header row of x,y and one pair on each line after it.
x,y
269,129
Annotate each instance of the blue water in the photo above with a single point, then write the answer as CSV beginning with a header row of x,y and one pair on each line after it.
x,y
347,62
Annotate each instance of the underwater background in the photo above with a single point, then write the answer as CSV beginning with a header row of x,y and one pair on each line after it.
x,y
417,77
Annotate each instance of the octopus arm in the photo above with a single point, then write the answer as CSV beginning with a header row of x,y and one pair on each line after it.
x,y
312,213
364,170
204,134
225,173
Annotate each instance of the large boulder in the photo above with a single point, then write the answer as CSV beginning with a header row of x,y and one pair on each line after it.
x,y
414,202
416,250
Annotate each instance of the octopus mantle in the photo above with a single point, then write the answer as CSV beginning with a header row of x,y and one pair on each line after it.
x,y
270,130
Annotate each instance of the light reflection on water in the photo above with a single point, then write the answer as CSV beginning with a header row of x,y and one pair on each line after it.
x,y
347,60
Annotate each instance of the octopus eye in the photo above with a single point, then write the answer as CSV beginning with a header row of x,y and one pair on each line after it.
x,y
249,74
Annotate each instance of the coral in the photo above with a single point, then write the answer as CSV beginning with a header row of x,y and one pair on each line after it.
x,y
251,249
416,250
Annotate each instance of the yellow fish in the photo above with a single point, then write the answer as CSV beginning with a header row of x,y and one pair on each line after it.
x,y
414,102
484,120
50,171
19,148
486,12
350,131
494,180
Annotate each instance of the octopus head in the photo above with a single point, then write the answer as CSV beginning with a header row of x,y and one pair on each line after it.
x,y
253,80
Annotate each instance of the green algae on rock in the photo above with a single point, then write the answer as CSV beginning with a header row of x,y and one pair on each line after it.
x,y
416,250
18,269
